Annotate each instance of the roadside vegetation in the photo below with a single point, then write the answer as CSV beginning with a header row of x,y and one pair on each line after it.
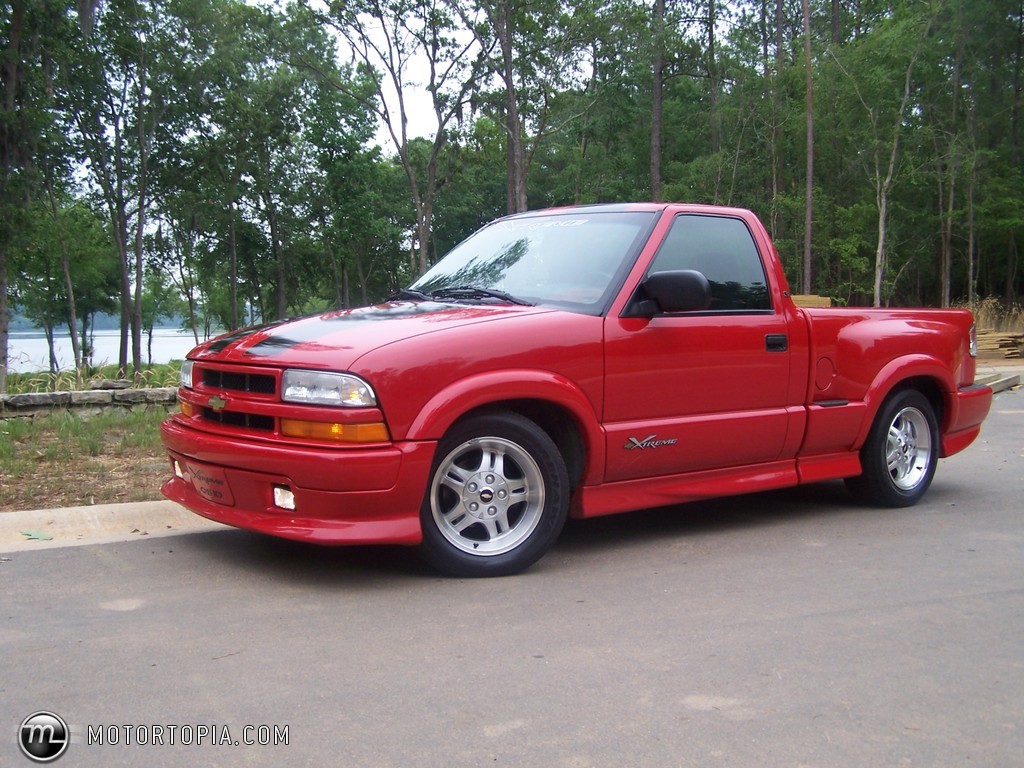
x,y
993,315
67,459
83,457
163,375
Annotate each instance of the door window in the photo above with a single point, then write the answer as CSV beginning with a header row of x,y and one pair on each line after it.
x,y
724,251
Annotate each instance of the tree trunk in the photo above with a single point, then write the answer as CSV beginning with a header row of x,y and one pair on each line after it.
x,y
1018,55
233,265
140,224
808,273
946,266
65,265
87,345
657,73
280,285
516,173
1012,257
883,208
361,276
4,316
121,236
11,149
713,80
780,34
971,277
952,164
51,354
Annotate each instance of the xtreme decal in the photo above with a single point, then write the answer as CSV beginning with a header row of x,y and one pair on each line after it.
x,y
651,441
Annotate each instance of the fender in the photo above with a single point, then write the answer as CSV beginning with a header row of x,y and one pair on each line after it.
x,y
464,395
896,371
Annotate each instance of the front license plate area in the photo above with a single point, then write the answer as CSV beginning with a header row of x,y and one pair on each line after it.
x,y
210,482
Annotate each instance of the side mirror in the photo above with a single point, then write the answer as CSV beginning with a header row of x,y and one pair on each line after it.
x,y
680,290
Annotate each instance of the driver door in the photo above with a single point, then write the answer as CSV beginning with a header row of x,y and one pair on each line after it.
x,y
702,390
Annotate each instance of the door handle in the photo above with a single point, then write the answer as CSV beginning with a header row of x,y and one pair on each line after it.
x,y
776,342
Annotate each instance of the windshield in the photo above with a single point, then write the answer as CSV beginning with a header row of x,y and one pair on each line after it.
x,y
575,260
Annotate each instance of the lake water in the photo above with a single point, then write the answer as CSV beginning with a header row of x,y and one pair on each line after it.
x,y
27,351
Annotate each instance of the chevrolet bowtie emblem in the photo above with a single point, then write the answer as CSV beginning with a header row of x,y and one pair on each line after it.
x,y
217,403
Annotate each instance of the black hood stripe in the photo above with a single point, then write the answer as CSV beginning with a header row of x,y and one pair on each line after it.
x,y
282,335
295,334
222,342
318,326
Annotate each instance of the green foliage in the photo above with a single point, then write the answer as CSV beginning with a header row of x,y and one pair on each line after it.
x,y
240,140
159,375
65,458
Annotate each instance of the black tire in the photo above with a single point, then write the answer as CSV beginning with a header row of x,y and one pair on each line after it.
x,y
901,452
498,497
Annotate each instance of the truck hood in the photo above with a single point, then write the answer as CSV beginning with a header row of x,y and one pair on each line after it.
x,y
337,339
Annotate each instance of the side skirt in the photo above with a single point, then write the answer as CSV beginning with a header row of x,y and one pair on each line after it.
x,y
610,498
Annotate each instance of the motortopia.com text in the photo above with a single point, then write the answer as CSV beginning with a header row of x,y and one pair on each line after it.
x,y
173,735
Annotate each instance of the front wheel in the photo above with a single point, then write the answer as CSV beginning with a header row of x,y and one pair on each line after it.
x,y
498,497
900,455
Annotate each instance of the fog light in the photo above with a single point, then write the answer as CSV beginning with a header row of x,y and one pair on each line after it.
x,y
283,497
178,471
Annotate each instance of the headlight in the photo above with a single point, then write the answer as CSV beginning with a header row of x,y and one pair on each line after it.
x,y
186,374
319,388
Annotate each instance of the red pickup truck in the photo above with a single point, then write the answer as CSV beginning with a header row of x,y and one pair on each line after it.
x,y
575,361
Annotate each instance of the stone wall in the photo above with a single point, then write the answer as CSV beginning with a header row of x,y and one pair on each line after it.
x,y
13,406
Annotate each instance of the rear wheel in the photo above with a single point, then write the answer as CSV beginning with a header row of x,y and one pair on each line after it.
x,y
900,455
498,497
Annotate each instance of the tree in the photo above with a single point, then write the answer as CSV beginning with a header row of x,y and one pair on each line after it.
x,y
159,302
657,94
32,49
808,272
117,96
65,252
886,59
391,41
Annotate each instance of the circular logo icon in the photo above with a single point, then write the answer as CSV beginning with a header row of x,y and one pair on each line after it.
x,y
43,737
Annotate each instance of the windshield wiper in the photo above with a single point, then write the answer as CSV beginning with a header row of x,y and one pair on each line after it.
x,y
408,294
471,292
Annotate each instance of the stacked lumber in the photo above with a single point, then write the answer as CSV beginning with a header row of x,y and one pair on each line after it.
x,y
998,344
811,300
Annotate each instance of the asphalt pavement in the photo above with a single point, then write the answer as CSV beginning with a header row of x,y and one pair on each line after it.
x,y
791,628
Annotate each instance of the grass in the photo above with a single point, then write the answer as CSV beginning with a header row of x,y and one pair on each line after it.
x,y
74,459
991,314
162,375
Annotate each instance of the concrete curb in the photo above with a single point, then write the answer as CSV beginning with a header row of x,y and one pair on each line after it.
x,y
999,376
99,524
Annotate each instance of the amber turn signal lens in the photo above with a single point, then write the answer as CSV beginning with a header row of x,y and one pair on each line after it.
x,y
336,433
186,408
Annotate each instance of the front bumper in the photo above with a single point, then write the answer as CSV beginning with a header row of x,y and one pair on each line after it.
x,y
347,496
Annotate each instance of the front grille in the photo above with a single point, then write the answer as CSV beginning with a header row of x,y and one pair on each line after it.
x,y
235,419
256,383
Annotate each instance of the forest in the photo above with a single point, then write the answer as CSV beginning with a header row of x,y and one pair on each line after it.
x,y
231,162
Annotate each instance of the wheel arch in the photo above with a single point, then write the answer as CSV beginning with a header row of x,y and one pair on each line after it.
x,y
921,373
556,404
